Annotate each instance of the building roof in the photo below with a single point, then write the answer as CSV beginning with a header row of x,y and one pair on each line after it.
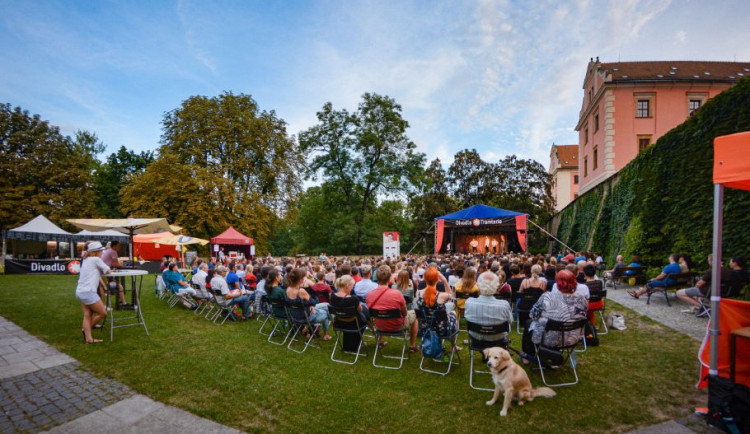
x,y
567,155
676,70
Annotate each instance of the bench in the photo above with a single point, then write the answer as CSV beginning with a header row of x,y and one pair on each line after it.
x,y
626,273
680,281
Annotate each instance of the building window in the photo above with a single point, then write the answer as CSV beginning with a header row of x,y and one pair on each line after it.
x,y
596,158
585,166
643,108
586,134
575,179
596,121
693,105
643,143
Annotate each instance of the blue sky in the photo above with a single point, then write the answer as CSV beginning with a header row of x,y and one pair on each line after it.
x,y
503,77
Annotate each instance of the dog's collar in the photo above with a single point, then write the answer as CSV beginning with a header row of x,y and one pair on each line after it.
x,y
504,368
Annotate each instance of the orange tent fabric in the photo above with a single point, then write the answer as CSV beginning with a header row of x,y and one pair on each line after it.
x,y
734,314
145,247
732,160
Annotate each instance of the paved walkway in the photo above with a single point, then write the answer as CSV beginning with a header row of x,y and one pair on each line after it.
x,y
670,316
44,389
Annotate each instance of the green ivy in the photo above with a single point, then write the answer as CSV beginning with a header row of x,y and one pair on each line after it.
x,y
662,201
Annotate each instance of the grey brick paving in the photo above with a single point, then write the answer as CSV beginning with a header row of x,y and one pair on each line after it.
x,y
45,398
44,389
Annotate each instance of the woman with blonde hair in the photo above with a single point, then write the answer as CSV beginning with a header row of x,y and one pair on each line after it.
x,y
467,286
406,286
535,280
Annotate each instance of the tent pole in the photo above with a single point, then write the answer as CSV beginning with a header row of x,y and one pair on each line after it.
x,y
553,237
716,277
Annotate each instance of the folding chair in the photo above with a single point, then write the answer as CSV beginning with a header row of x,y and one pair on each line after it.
x,y
280,320
431,316
527,300
480,345
596,296
343,320
205,296
265,311
386,314
568,352
224,310
299,317
160,288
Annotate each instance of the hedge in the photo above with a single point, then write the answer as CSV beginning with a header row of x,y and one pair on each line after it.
x,y
662,201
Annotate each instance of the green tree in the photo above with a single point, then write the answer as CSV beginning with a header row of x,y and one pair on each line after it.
x,y
433,200
222,162
234,139
43,171
119,168
363,155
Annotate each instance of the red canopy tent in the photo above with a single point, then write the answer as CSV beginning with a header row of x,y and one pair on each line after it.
x,y
731,169
231,239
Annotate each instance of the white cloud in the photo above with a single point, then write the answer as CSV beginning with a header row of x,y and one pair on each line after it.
x,y
681,36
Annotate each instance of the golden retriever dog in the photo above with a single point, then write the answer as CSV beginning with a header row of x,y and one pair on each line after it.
x,y
511,379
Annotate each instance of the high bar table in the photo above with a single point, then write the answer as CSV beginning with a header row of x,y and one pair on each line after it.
x,y
136,300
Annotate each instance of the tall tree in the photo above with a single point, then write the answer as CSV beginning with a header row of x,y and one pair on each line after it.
x,y
363,155
470,178
433,200
222,162
119,168
232,137
43,171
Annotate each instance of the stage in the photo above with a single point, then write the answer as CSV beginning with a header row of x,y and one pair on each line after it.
x,y
481,229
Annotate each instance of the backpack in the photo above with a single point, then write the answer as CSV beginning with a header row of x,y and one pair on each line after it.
x,y
591,336
432,344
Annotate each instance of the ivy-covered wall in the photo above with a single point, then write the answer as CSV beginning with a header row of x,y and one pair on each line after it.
x,y
662,201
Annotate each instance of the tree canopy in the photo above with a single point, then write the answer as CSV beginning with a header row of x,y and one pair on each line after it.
x,y
43,171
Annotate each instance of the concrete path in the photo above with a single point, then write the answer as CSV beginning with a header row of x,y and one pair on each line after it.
x,y
670,316
44,389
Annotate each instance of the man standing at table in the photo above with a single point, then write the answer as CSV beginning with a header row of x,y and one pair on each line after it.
x,y
111,257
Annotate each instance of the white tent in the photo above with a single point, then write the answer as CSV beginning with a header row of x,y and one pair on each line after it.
x,y
38,229
103,236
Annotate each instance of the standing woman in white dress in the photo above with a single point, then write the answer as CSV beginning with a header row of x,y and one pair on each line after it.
x,y
92,270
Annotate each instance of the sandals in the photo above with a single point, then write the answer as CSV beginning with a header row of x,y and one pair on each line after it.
x,y
633,294
382,345
94,341
413,349
327,337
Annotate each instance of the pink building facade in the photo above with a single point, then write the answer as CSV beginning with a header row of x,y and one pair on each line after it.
x,y
563,167
627,106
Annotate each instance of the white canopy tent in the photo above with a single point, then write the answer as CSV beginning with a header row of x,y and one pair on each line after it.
x,y
39,229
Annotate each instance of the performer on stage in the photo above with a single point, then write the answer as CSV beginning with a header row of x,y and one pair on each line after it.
x,y
494,246
503,244
486,245
474,244
448,248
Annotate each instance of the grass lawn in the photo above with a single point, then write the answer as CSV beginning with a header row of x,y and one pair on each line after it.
x,y
231,375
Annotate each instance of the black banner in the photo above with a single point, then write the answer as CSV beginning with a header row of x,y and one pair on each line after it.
x,y
42,266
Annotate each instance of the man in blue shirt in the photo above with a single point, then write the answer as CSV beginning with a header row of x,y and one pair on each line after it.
x,y
661,280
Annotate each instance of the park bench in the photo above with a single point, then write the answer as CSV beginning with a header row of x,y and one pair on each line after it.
x,y
637,273
680,281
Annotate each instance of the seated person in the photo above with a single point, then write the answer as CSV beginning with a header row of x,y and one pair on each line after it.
x,y
431,301
468,286
405,285
702,288
275,292
660,281
232,296
199,278
385,298
321,290
296,294
343,298
363,287
595,286
684,262
504,289
562,304
176,283
486,309
739,277
619,264
580,276
635,261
